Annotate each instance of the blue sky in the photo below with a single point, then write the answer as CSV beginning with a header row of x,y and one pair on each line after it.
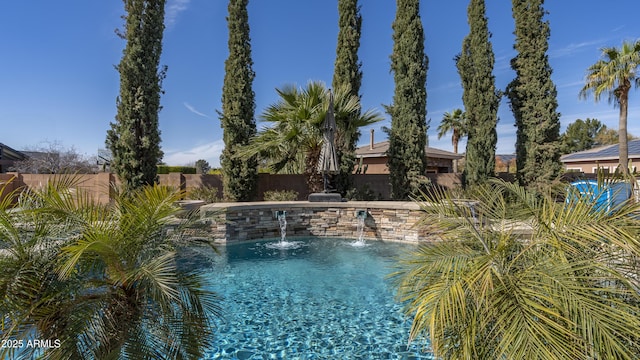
x,y
58,82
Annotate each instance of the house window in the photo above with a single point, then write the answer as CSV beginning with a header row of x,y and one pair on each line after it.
x,y
574,170
603,169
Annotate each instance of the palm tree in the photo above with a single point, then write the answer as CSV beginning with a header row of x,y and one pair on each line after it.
x,y
292,141
614,75
101,279
567,289
456,123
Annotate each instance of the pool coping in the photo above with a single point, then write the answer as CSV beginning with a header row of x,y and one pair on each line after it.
x,y
395,205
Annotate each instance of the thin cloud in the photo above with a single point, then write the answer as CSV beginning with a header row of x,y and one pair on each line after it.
x,y
617,29
194,110
173,9
503,63
576,47
209,152
455,85
570,84
607,117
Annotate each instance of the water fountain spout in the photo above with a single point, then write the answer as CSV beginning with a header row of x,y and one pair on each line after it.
x,y
281,215
471,206
361,216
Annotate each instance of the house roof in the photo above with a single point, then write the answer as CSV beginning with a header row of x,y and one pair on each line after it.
x,y
379,149
8,153
607,152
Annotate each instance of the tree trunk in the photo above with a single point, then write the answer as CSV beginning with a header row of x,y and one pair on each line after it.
x,y
314,178
455,161
623,146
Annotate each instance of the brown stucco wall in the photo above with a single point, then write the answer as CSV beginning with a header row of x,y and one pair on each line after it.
x,y
378,165
375,165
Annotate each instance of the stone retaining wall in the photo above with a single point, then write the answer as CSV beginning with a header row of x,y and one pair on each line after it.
x,y
386,220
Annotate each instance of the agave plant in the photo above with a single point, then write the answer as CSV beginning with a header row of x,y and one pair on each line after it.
x,y
99,281
565,288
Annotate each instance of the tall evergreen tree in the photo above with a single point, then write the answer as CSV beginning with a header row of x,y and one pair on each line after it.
x,y
533,97
408,133
238,105
480,98
134,138
347,70
581,135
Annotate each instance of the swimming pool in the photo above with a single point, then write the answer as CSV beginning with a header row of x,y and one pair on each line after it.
x,y
324,299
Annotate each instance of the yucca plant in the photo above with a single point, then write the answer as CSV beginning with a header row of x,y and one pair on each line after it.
x,y
101,279
564,288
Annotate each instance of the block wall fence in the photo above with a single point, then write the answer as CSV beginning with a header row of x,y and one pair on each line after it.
x,y
101,184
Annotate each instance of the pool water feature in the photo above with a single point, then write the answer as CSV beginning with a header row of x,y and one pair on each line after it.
x,y
281,216
361,216
323,300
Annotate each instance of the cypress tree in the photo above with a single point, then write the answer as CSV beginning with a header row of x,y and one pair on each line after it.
x,y
533,97
408,132
134,138
347,72
480,98
238,106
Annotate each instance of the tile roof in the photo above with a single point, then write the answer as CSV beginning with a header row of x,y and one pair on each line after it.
x,y
380,148
607,152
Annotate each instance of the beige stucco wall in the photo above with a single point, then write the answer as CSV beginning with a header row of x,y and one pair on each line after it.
x,y
589,167
378,165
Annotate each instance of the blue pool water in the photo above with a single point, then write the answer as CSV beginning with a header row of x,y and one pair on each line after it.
x,y
325,299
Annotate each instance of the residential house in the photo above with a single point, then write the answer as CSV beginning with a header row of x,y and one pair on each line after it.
x,y
8,156
374,157
604,158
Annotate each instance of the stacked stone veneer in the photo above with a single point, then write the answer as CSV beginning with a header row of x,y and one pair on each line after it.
x,y
386,220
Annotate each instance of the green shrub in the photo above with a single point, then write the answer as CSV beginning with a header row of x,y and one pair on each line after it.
x,y
202,166
280,195
364,193
166,169
204,193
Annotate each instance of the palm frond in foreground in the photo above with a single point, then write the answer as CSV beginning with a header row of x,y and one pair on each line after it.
x,y
566,290
103,280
